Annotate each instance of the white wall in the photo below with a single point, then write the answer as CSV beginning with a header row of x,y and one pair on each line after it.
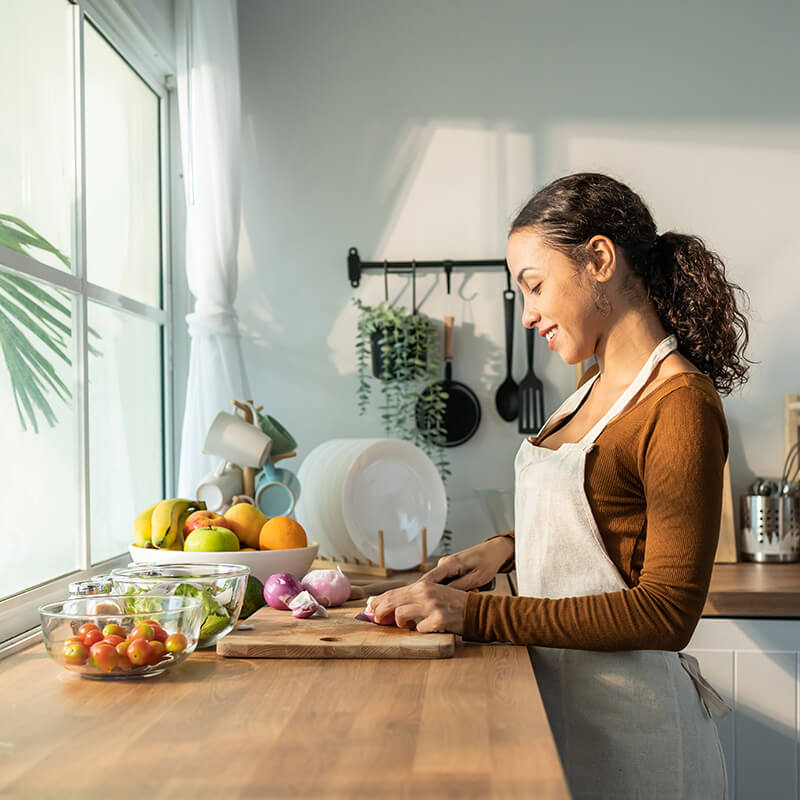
x,y
417,129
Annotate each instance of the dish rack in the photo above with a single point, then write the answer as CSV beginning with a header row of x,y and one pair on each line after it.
x,y
366,567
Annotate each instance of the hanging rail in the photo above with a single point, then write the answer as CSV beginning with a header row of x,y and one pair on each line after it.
x,y
355,266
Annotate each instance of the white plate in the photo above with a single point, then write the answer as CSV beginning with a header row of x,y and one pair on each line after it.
x,y
262,563
392,485
334,468
311,507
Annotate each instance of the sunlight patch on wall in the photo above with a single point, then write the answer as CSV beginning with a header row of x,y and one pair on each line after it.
x,y
461,185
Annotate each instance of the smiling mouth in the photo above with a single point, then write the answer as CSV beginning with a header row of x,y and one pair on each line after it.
x,y
550,334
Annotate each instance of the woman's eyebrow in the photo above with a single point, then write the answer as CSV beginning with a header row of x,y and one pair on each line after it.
x,y
523,271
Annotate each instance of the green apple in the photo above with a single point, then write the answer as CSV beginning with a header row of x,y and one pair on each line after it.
x,y
212,539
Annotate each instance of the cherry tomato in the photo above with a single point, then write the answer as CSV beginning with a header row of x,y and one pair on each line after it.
x,y
86,627
113,639
157,650
75,653
122,647
142,631
73,640
176,643
160,635
113,630
139,652
92,637
105,656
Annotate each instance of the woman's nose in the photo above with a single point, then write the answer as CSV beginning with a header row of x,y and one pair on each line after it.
x,y
530,317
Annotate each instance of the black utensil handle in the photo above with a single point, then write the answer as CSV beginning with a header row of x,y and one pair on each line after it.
x,y
487,587
529,334
508,301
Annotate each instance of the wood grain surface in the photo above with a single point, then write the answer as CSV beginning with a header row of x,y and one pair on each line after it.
x,y
277,634
754,590
472,726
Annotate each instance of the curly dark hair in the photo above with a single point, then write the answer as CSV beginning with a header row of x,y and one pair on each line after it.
x,y
683,278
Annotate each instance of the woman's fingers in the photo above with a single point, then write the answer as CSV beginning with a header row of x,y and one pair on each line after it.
x,y
467,581
427,606
448,567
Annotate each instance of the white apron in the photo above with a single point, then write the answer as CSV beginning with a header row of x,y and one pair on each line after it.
x,y
632,724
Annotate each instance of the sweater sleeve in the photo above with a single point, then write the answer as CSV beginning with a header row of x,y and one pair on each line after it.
x,y
680,456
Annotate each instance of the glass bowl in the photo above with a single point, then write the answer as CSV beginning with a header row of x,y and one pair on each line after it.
x,y
174,621
220,588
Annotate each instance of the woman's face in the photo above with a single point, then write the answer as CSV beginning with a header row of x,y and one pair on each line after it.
x,y
557,300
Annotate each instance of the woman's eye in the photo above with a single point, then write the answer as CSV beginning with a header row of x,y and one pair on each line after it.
x,y
536,289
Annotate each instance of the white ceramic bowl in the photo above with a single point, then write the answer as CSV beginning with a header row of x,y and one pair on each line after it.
x,y
262,563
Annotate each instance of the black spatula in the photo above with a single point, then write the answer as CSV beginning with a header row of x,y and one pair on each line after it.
x,y
507,398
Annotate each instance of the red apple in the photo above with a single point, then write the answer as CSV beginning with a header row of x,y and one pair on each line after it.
x,y
204,519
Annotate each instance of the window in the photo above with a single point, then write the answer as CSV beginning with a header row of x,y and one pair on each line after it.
x,y
84,309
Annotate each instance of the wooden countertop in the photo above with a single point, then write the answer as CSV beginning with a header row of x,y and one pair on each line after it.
x,y
754,590
472,726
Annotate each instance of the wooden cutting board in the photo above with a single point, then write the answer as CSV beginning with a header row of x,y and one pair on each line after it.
x,y
277,634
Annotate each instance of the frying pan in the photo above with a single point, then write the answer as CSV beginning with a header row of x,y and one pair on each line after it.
x,y
462,413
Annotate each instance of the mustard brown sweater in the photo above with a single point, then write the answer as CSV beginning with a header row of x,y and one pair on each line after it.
x,y
654,483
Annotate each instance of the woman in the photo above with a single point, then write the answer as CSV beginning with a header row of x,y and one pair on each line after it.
x,y
618,498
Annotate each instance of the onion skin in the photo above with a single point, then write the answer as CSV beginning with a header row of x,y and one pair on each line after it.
x,y
280,588
330,587
305,605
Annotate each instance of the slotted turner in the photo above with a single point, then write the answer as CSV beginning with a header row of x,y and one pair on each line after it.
x,y
531,394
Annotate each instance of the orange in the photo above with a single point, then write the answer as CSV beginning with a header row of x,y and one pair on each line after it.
x,y
282,533
246,521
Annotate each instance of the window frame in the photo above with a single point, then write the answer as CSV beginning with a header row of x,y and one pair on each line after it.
x,y
19,618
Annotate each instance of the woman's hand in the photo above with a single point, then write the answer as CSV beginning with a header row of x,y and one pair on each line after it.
x,y
428,607
474,566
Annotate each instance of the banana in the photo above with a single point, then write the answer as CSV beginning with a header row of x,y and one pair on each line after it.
x,y
166,522
176,542
142,529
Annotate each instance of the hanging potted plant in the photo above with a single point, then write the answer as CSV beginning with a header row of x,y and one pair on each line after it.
x,y
399,349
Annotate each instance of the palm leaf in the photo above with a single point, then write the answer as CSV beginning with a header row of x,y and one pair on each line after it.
x,y
31,314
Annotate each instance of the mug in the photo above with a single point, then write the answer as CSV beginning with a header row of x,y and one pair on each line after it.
x,y
237,441
282,440
277,491
219,487
275,499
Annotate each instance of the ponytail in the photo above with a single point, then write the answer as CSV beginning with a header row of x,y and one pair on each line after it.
x,y
694,300
684,280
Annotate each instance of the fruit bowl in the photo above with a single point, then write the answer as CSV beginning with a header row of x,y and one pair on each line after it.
x,y
219,587
173,621
262,563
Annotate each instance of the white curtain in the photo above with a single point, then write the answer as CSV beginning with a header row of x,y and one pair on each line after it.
x,y
210,120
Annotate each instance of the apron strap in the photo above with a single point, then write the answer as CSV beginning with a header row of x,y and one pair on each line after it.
x,y
661,351
710,697
568,406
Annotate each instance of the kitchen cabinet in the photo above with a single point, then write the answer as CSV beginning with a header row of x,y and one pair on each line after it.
x,y
753,663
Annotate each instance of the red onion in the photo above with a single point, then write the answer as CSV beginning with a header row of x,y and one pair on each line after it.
x,y
305,605
330,587
368,615
280,588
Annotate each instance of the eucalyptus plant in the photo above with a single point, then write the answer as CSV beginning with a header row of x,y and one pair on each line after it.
x,y
399,349
35,326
